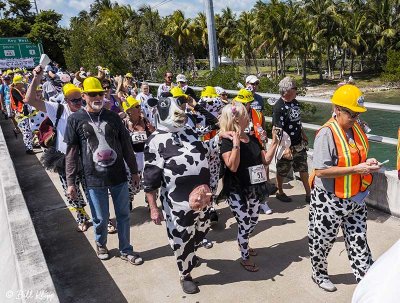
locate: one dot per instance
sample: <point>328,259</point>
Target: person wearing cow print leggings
<point>245,181</point>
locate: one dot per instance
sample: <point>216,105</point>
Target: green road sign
<point>19,52</point>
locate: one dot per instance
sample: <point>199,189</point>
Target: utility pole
<point>35,6</point>
<point>212,36</point>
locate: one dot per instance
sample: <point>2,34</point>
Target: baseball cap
<point>252,79</point>
<point>181,78</point>
<point>6,77</point>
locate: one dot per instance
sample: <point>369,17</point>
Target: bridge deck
<point>280,239</point>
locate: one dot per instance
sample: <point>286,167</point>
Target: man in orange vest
<point>340,181</point>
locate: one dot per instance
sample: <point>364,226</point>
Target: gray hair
<point>145,83</point>
<point>286,84</point>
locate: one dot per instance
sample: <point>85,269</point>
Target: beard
<point>97,107</point>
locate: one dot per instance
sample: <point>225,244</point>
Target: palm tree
<point>225,24</point>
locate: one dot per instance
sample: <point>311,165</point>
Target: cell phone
<point>383,163</point>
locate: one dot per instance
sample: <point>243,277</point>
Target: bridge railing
<point>371,105</point>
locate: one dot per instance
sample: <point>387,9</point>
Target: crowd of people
<point>112,136</point>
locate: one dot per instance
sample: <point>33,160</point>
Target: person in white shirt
<point>167,85</point>
<point>143,96</point>
<point>73,102</point>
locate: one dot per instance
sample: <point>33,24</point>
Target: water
<point>381,123</point>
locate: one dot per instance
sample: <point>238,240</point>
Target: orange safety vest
<point>15,104</point>
<point>349,154</point>
<point>257,119</point>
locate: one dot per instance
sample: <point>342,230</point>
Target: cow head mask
<point>170,117</point>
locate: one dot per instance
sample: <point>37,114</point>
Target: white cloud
<point>71,8</point>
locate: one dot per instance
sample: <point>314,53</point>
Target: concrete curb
<point>24,276</point>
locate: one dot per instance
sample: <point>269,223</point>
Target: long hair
<point>229,120</point>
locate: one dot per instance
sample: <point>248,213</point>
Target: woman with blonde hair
<point>245,181</point>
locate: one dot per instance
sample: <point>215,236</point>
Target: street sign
<point>19,52</point>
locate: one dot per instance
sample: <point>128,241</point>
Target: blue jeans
<point>100,214</point>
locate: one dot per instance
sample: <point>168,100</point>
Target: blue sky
<point>70,8</point>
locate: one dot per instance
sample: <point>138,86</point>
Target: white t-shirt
<point>51,108</point>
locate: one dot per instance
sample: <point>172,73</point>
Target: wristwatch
<point>236,147</point>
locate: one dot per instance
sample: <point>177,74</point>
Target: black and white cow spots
<point>213,105</point>
<point>103,154</point>
<point>327,214</point>
<point>178,162</point>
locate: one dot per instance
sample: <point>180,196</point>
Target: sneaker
<point>283,197</point>
<point>213,217</point>
<point>30,152</point>
<point>207,244</point>
<point>264,208</point>
<point>102,252</point>
<point>308,199</point>
<point>326,285</point>
<point>188,286</point>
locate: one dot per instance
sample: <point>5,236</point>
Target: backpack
<point>47,131</point>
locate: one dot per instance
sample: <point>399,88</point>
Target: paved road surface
<point>280,239</point>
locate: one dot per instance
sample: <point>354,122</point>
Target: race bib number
<point>139,137</point>
<point>257,174</point>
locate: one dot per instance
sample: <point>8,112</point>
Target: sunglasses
<point>224,95</point>
<point>76,101</point>
<point>169,77</point>
<point>106,87</point>
<point>352,115</point>
<point>181,100</point>
<point>295,88</point>
<point>95,94</point>
<point>255,83</point>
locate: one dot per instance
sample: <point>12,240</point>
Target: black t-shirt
<point>102,139</point>
<point>250,155</point>
<point>287,115</point>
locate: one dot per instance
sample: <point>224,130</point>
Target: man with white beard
<point>99,137</point>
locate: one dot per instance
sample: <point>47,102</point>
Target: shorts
<point>299,163</point>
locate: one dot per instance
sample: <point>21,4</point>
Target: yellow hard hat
<point>9,72</point>
<point>92,85</point>
<point>128,75</point>
<point>130,102</point>
<point>244,96</point>
<point>70,88</point>
<point>18,79</point>
<point>349,96</point>
<point>177,92</point>
<point>209,91</point>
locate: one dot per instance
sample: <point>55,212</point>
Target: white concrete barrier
<point>24,275</point>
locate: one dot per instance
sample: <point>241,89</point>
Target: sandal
<point>82,227</point>
<point>134,259</point>
<point>249,267</point>
<point>111,229</point>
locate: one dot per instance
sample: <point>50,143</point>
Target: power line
<point>161,3</point>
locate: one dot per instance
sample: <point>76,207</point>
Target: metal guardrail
<point>370,105</point>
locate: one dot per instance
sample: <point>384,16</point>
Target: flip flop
<point>249,267</point>
<point>134,259</point>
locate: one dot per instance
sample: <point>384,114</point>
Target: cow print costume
<point>177,161</point>
<point>327,214</point>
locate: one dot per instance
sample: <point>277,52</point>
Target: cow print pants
<point>327,214</point>
<point>186,231</point>
<point>79,204</point>
<point>246,215</point>
<point>27,135</point>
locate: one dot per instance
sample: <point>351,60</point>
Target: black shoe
<point>272,189</point>
<point>30,152</point>
<point>188,286</point>
<point>213,217</point>
<point>283,197</point>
